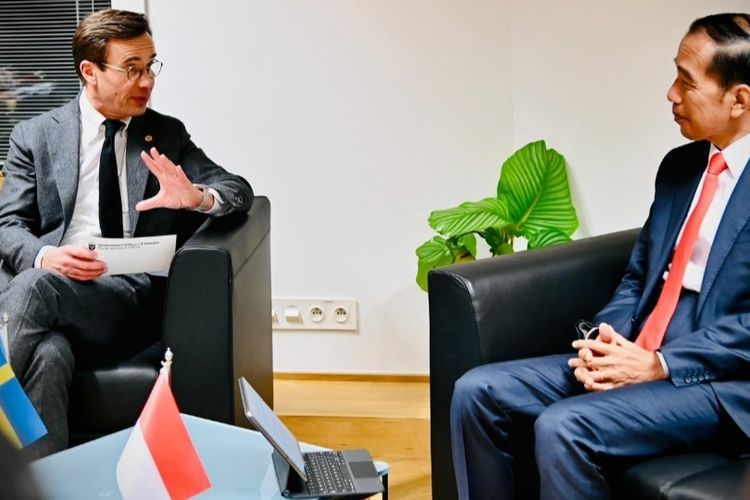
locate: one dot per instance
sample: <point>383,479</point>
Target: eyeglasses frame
<point>139,72</point>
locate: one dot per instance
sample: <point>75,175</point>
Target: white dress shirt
<point>85,221</point>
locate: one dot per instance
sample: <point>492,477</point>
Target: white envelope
<point>150,254</point>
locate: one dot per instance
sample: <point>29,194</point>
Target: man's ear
<point>741,103</point>
<point>87,71</point>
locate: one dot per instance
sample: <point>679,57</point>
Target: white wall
<point>591,77</point>
<point>359,118</point>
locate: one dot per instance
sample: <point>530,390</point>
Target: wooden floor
<point>390,418</point>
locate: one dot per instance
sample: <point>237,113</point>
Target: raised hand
<point>175,189</point>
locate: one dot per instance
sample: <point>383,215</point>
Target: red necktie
<point>652,333</point>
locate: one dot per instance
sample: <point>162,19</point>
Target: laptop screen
<point>272,427</point>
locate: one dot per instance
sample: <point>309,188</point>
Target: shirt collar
<point>736,155</point>
<point>91,119</point>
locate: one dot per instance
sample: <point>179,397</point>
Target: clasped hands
<point>611,361</point>
<point>175,192</point>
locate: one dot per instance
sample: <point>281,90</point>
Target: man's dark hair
<point>96,29</point>
<point>731,34</point>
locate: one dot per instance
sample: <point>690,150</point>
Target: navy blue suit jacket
<point>718,350</point>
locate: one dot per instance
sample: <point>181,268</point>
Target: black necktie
<point>110,205</point>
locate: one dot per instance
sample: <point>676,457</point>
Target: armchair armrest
<point>217,316</point>
<point>511,307</point>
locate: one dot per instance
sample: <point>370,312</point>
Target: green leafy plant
<point>533,202</point>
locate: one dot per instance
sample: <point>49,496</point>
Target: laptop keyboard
<point>327,473</point>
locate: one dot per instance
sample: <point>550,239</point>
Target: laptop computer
<point>331,474</point>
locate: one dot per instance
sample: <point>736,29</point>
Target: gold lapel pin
<point>148,138</point>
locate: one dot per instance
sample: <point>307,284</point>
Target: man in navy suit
<point>61,303</point>
<point>618,400</point>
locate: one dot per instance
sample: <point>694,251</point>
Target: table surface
<point>237,461</point>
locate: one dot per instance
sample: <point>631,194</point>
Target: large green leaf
<point>533,187</point>
<point>439,252</point>
<point>547,237</point>
<point>472,216</point>
<point>431,254</point>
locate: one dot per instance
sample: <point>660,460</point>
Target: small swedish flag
<point>19,421</point>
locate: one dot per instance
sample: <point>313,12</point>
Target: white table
<point>237,460</point>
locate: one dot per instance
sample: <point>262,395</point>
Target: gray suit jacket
<point>41,181</point>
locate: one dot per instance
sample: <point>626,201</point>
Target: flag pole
<point>166,365</point>
<point>4,337</point>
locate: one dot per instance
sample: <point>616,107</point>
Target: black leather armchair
<point>215,315</point>
<point>525,305</point>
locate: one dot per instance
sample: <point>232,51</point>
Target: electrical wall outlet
<point>314,314</point>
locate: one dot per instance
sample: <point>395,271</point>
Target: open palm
<point>175,189</point>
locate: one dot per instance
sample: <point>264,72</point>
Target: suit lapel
<point>64,137</point>
<point>736,217</point>
<point>682,196</point>
<point>140,138</point>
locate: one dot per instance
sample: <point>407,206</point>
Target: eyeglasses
<point>152,69</point>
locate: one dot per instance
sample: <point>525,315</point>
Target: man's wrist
<point>40,256</point>
<point>206,198</point>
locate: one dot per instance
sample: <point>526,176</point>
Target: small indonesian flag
<point>159,460</point>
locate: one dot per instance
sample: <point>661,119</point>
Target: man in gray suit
<point>56,292</point>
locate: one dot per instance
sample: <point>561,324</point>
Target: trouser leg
<point>48,313</point>
<point>576,437</point>
<point>46,382</point>
<point>487,404</point>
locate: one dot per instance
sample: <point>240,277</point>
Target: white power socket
<point>314,314</point>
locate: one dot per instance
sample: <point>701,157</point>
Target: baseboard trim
<point>352,377</point>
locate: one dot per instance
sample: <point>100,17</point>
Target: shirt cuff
<point>663,363</point>
<point>218,202</point>
<point>40,255</point>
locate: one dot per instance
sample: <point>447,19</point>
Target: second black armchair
<point>526,305</point>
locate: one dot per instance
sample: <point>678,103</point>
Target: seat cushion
<point>653,478</point>
<point>110,398</point>
<point>730,480</point>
